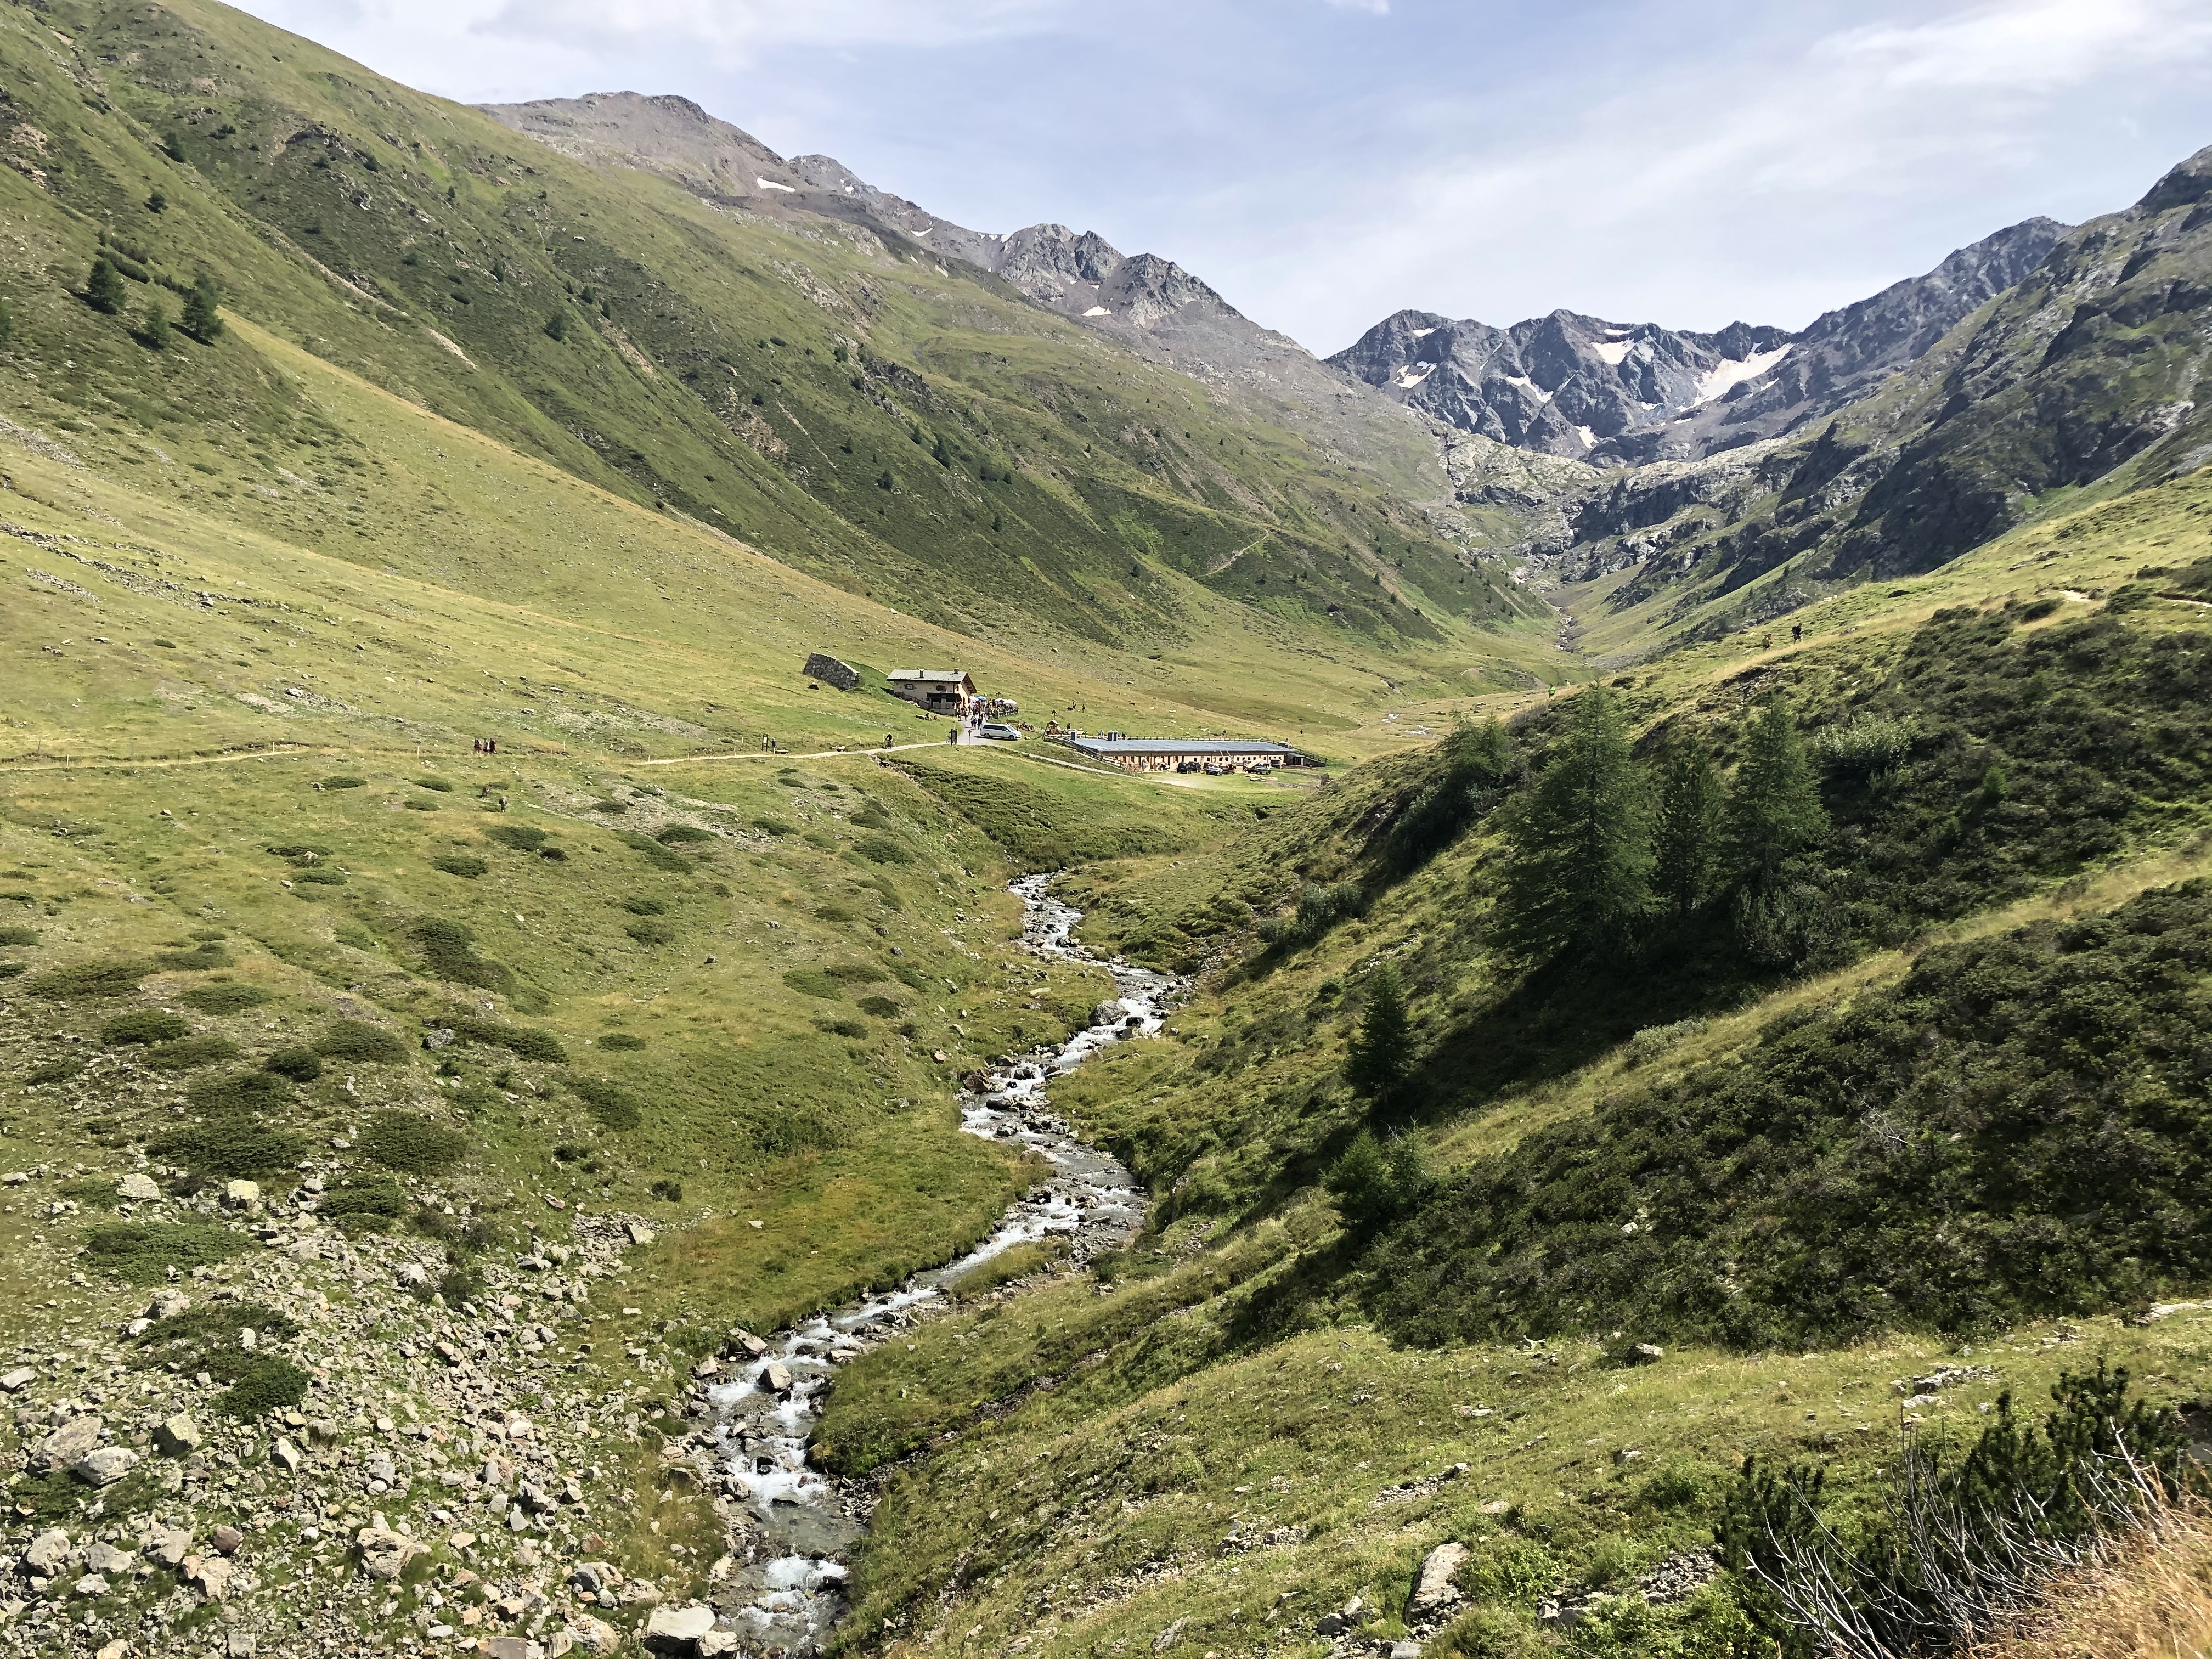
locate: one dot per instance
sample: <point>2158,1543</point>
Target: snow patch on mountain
<point>1735,371</point>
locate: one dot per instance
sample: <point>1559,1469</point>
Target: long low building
<point>1167,754</point>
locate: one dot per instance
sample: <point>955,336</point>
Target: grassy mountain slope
<point>1964,1138</point>
<point>844,404</point>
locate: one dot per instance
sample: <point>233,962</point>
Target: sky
<point>1323,163</point>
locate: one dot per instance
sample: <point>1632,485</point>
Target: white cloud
<point>2037,48</point>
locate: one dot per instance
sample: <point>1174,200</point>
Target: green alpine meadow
<point>732,922</point>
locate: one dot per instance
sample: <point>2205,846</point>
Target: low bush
<point>881,1007</point>
<point>322,878</point>
<point>190,1053</point>
<point>89,981</point>
<point>645,907</point>
<point>813,982</point>
<point>438,784</point>
<point>610,806</point>
<point>142,1252</point>
<point>669,1188</point>
<point>231,1148</point>
<point>659,857</point>
<point>363,1205</point>
<point>651,930</point>
<point>678,833</point>
<point>621,1039</point>
<point>301,1065</point>
<point>54,1071</point>
<point>552,854</point>
<point>241,1092</point>
<point>344,780</point>
<point>264,1384</point>
<point>774,826</point>
<point>609,1103</point>
<point>412,1143</point>
<point>201,959</point>
<point>882,849</point>
<point>448,951</point>
<point>417,803</point>
<point>526,1041</point>
<point>143,1025</point>
<point>522,837</point>
<point>844,1028</point>
<point>356,1041</point>
<point>18,936</point>
<point>460,864</point>
<point>224,999</point>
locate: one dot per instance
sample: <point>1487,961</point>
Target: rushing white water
<point>791,1592</point>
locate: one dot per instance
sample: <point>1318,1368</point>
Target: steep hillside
<point>1613,393</point>
<point>1611,1220</point>
<point>840,402</point>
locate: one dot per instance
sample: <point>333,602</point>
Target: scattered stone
<point>777,1377</point>
<point>179,1437</point>
<point>241,1194</point>
<point>104,1466</point>
<point>137,1188</point>
<point>1435,1587</point>
<point>227,1539</point>
<point>640,1233</point>
<point>679,1630</point>
<point>91,1585</point>
<point>50,1552</point>
<point>385,1554</point>
<point>598,1636</point>
<point>168,1547</point>
<point>286,1456</point>
<point>1345,1618</point>
<point>1167,1637</point>
<point>167,1305</point>
<point>107,1559</point>
<point>504,1647</point>
<point>18,1380</point>
<point>238,1644</point>
<point>66,1445</point>
<point>210,1573</point>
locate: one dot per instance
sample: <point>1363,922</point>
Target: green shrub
<point>528,1042</point>
<point>356,1041</point>
<point>266,1384</point>
<point>621,1039</point>
<point>200,959</point>
<point>417,803</point>
<point>659,857</point>
<point>881,1007</point>
<point>774,826</point>
<point>10,970</point>
<point>142,1252</point>
<point>552,854</point>
<point>438,784</point>
<point>344,780</point>
<point>882,849</point>
<point>645,907</point>
<point>322,878</point>
<point>88,982</point>
<point>226,998</point>
<point>189,1053</point>
<point>460,864</point>
<point>299,851</point>
<point>668,1188</point>
<point>54,1071</point>
<point>370,1206</point>
<point>232,1147</point>
<point>412,1143</point>
<point>610,806</point>
<point>911,976</point>
<point>683,832</point>
<point>242,1092</point>
<point>844,1028</point>
<point>813,982</point>
<point>449,952</point>
<point>652,931</point>
<point>609,1103</point>
<point>18,936</point>
<point>523,837</point>
<point>301,1065</point>
<point>143,1025</point>
<point>859,973</point>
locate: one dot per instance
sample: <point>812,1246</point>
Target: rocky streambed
<point>791,1591</point>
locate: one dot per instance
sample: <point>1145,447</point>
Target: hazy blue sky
<point>1325,163</point>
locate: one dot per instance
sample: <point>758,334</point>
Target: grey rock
<point>167,1305</point>
<point>91,1585</point>
<point>66,1445</point>
<point>104,1466</point>
<point>640,1233</point>
<point>49,1552</point>
<point>241,1194</point>
<point>16,1381</point>
<point>678,1630</point>
<point>178,1437</point>
<point>107,1559</point>
<point>1434,1588</point>
<point>775,1377</point>
<point>137,1188</point>
<point>168,1547</point>
<point>831,671</point>
<point>385,1554</point>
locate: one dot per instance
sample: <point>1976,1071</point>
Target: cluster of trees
<point>1601,846</point>
<point>104,291</point>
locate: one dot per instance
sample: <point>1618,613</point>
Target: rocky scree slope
<point>1614,394</point>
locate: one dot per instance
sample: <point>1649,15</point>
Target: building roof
<point>1183,746</point>
<point>946,674</point>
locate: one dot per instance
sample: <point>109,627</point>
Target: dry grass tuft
<point>2150,1598</point>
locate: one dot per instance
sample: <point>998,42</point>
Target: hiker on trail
<point>1767,643</point>
<point>1796,633</point>
<point>953,736</point>
<point>887,739</point>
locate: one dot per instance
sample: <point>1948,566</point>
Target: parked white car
<point>1001,731</point>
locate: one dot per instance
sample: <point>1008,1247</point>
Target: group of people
<point>485,746</point>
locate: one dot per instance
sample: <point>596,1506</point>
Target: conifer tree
<point>1382,1047</point>
<point>1686,841</point>
<point>1775,816</point>
<point>1580,869</point>
<point>155,330</point>
<point>103,288</point>
<point>203,321</point>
